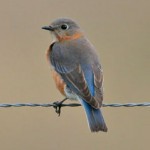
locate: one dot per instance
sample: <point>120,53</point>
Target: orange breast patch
<point>73,37</point>
<point>59,82</point>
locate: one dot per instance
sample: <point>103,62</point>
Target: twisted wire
<point>144,104</point>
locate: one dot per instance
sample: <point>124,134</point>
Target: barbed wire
<point>58,105</point>
<point>144,104</point>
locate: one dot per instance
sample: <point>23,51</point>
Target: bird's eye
<point>64,27</point>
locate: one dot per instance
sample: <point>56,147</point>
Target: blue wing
<point>79,77</point>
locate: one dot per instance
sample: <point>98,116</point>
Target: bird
<point>76,69</point>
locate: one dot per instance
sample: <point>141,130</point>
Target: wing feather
<point>98,83</point>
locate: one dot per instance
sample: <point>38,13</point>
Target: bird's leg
<point>58,105</point>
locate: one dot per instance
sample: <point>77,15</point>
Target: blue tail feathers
<point>94,116</point>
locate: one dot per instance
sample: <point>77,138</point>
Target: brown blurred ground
<point>120,30</point>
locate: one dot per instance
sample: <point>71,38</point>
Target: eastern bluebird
<point>76,69</point>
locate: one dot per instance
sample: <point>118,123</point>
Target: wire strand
<point>144,104</point>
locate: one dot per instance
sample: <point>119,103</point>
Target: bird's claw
<point>58,105</point>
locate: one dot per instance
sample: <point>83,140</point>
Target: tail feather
<point>94,117</point>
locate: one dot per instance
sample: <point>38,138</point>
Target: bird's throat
<point>67,38</point>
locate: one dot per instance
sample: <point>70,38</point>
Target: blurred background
<point>120,31</point>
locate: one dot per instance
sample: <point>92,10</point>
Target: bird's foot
<point>58,105</point>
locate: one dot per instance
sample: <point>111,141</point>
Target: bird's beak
<point>50,28</point>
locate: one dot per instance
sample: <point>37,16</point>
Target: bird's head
<point>64,29</point>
